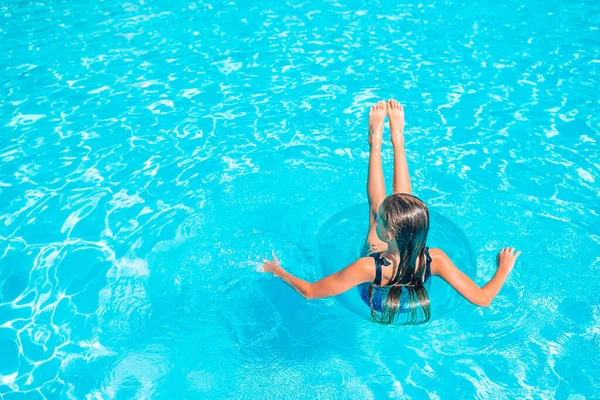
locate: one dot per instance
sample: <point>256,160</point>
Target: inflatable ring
<point>341,238</point>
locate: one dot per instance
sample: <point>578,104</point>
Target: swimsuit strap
<point>428,265</point>
<point>378,261</point>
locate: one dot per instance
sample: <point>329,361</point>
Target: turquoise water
<point>154,152</point>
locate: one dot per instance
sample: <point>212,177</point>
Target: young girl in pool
<point>395,261</point>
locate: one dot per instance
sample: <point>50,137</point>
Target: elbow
<point>483,301</point>
<point>481,298</point>
<point>311,292</point>
<point>308,293</point>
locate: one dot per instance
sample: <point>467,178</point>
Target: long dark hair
<point>406,217</point>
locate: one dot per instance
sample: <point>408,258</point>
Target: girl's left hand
<point>271,266</point>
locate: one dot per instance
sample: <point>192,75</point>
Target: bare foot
<point>395,114</point>
<point>376,117</point>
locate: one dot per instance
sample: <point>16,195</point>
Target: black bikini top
<point>379,260</point>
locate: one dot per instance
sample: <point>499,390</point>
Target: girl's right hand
<point>506,258</point>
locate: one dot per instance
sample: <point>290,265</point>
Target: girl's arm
<point>443,267</point>
<point>332,285</point>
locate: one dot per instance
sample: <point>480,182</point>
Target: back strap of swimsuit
<point>378,261</point>
<point>427,273</point>
<point>377,280</point>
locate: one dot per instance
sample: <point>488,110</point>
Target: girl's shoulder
<point>438,260</point>
<point>367,260</point>
<point>367,264</point>
<point>435,252</point>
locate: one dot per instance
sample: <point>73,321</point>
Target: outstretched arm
<point>483,297</point>
<point>332,285</point>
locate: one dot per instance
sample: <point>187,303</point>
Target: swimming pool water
<point>152,153</point>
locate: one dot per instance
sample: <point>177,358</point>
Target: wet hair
<point>406,217</point>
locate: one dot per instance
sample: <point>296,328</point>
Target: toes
<point>379,107</point>
<point>395,105</point>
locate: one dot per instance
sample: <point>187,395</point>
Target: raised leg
<point>375,181</point>
<point>401,182</point>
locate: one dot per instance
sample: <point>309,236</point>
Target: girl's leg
<point>375,182</point>
<point>401,183</point>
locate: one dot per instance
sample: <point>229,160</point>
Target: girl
<point>395,259</point>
